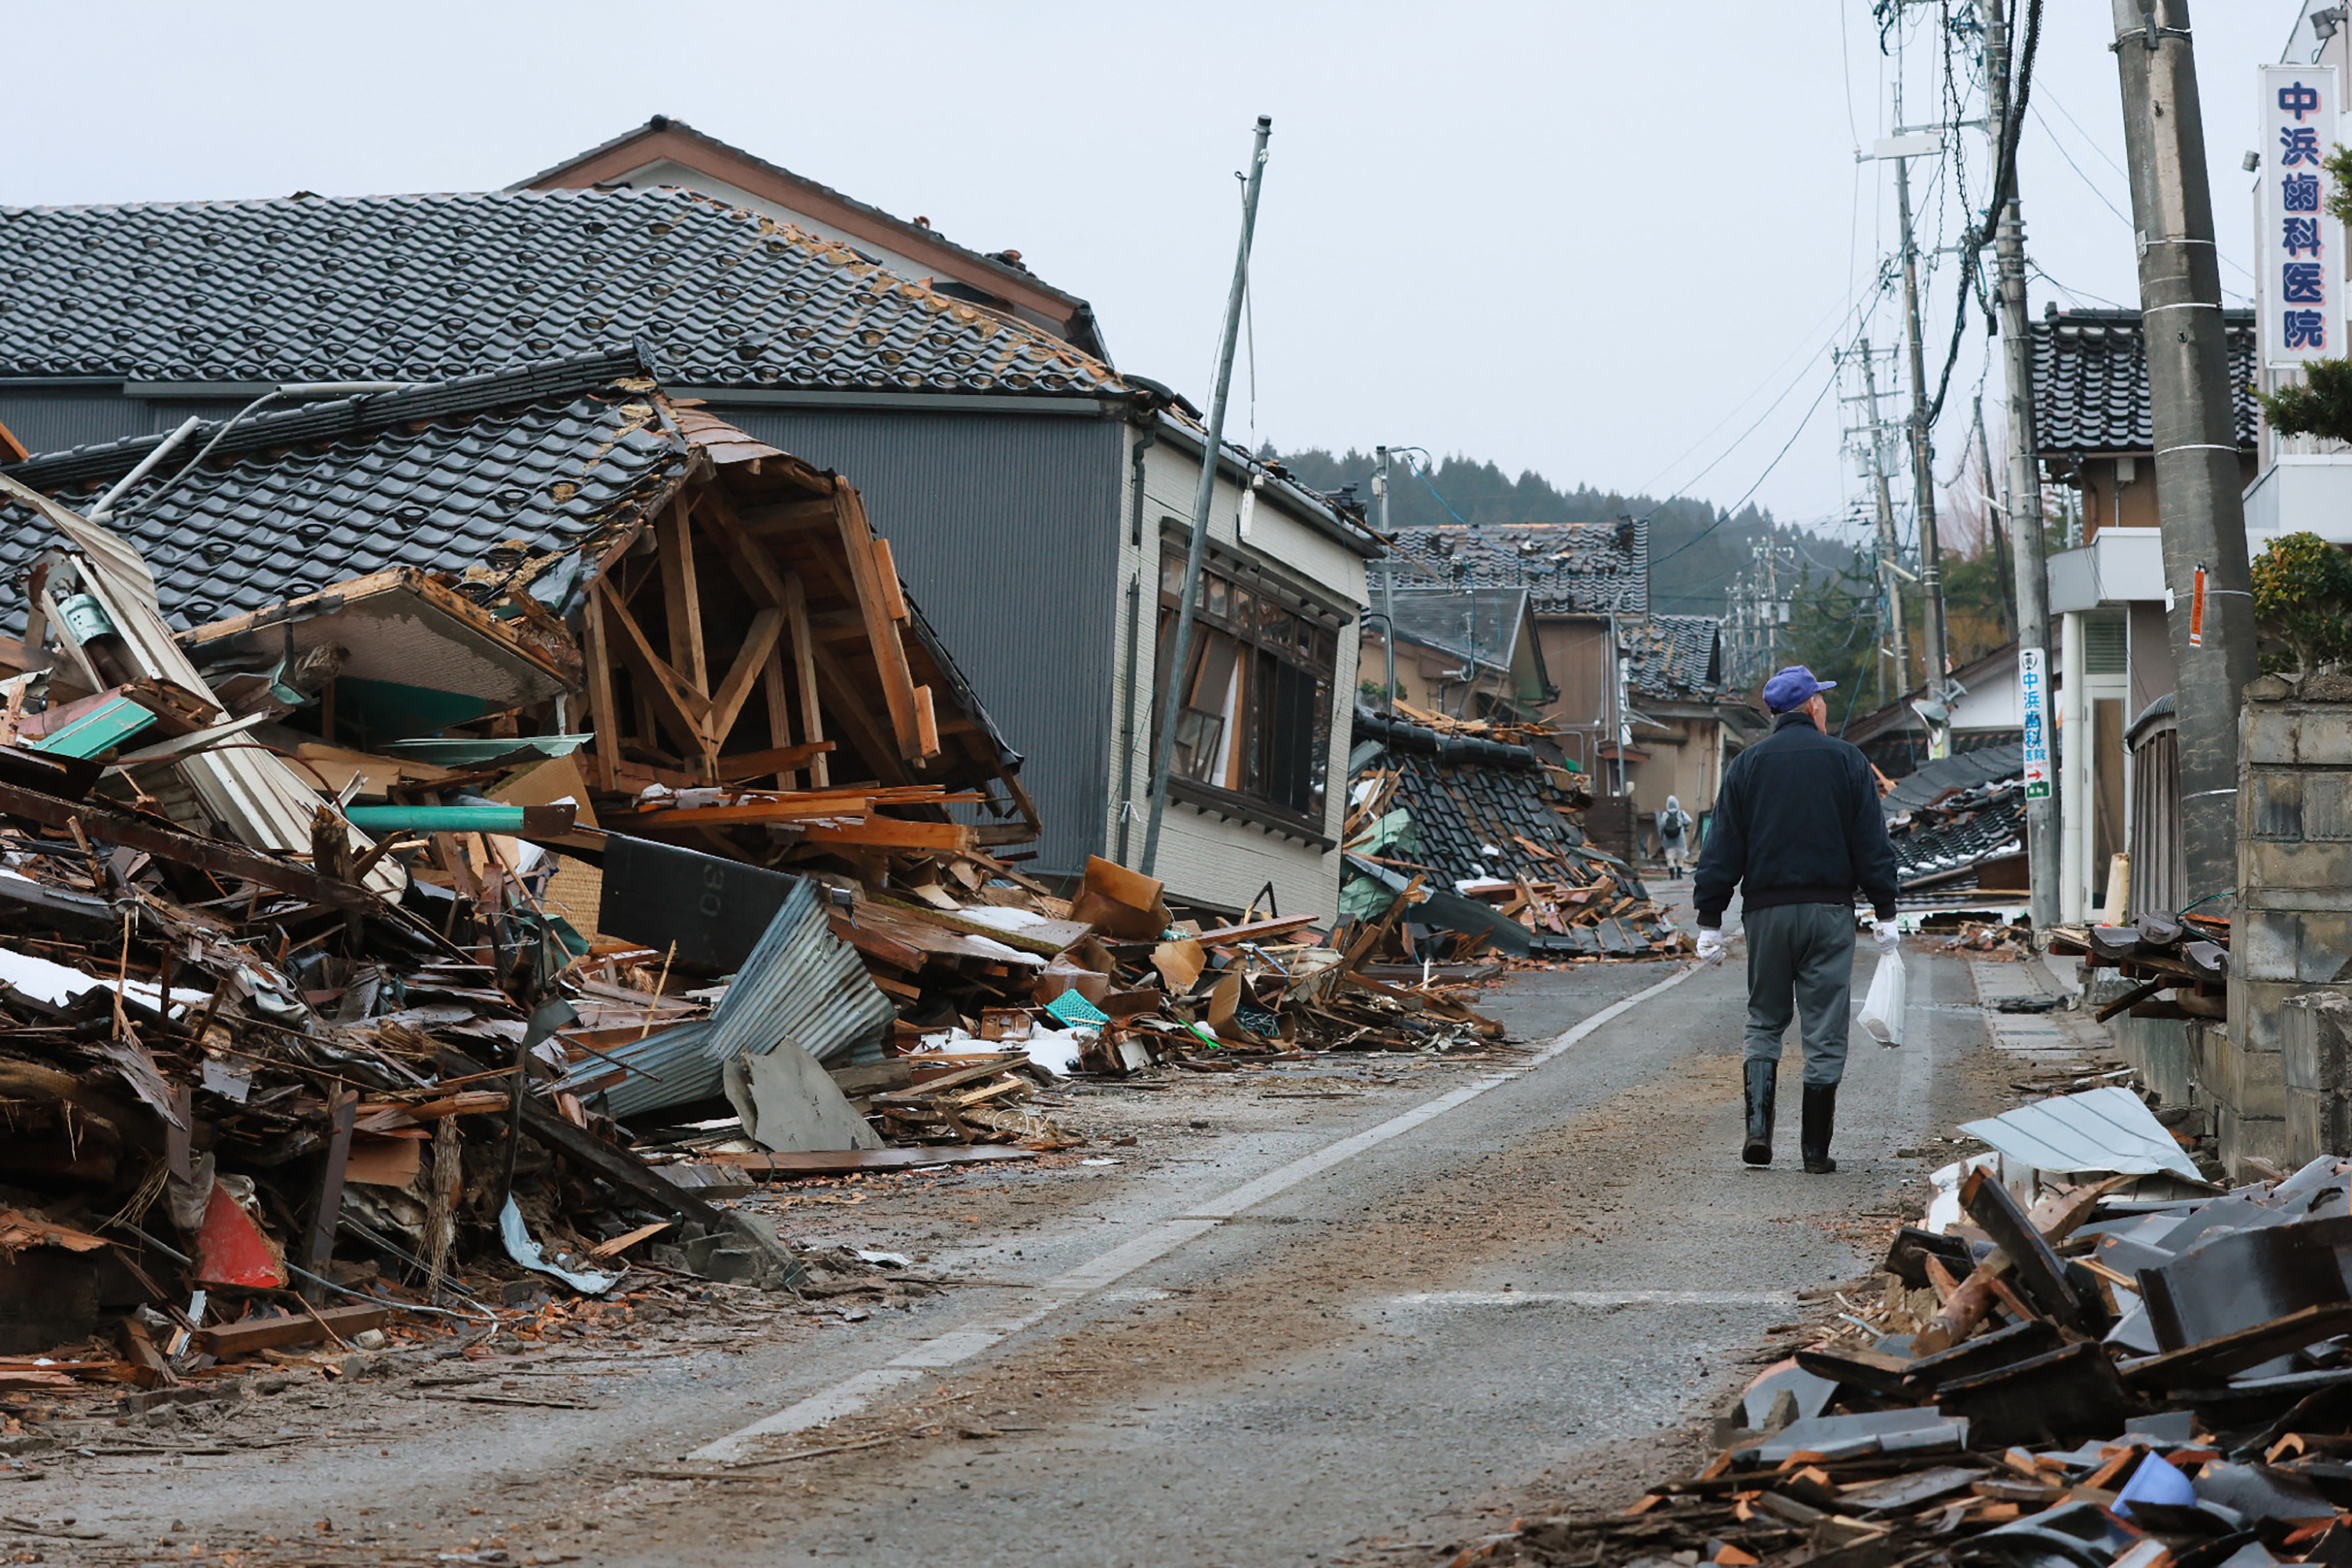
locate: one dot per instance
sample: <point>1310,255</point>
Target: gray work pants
<point>1801,961</point>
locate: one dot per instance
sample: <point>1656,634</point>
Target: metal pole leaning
<point>1179,647</point>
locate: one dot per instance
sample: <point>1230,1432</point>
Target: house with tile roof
<point>1587,587</point>
<point>1473,653</point>
<point>2094,434</point>
<point>666,152</point>
<point>1033,496</point>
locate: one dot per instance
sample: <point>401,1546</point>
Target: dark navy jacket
<point>1797,822</point>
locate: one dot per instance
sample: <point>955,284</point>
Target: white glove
<point>1889,935</point>
<point>1710,947</point>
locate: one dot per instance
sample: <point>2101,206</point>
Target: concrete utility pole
<point>1388,569</point>
<point>1179,647</point>
<point>1893,584</point>
<point>2198,502</point>
<point>2041,832</point>
<point>1923,473</point>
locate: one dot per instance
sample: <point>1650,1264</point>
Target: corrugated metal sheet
<point>801,983</point>
<point>2099,1130</point>
<point>1006,529</point>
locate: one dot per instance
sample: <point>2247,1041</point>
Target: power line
<point>1732,511</point>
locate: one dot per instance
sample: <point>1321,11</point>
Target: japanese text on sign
<point>2036,726</point>
<point>2301,244</point>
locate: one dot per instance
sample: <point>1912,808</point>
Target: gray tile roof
<point>1675,655</point>
<point>1573,568</point>
<point>432,478</point>
<point>426,287</point>
<point>2090,381</point>
<point>987,260</point>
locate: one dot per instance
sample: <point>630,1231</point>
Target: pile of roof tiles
<point>2187,955</point>
<point>1950,820</point>
<point>2118,1364</point>
<point>1475,811</point>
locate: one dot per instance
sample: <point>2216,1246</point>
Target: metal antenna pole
<point>1923,474</point>
<point>2199,506</point>
<point>1180,647</point>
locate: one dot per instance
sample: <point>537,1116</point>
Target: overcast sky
<point>1595,240</point>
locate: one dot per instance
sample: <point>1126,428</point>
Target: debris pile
<point>1475,810</point>
<point>2085,1356</point>
<point>1960,823</point>
<point>2187,955</point>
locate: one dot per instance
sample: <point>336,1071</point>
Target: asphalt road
<point>1372,1321</point>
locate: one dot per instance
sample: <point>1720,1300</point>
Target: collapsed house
<point>1958,825</point>
<point>1484,829</point>
<point>619,801</point>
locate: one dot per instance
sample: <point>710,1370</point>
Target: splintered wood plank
<point>892,833</point>
<point>682,597</point>
<point>603,715</point>
<point>881,630</point>
<point>926,723</point>
<point>804,663</point>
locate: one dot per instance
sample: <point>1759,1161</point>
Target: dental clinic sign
<point>2302,267</point>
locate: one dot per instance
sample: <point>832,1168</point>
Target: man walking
<point>1798,830</point>
<point>1673,837</point>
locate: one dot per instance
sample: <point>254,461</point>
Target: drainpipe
<point>1145,439</point>
<point>146,466</point>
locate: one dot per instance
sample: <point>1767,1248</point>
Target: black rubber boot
<point>1820,1113</point>
<point>1757,1149</point>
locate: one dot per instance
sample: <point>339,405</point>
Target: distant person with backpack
<point>1673,837</point>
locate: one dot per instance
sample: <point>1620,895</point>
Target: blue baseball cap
<point>1793,688</point>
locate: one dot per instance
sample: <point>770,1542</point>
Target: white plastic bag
<point>1882,1009</point>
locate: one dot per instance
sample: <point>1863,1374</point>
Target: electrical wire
<point>1732,511</point>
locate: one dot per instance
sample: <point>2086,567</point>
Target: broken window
<point>1254,716</point>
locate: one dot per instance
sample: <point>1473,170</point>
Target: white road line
<point>1164,1237</point>
<point>1595,1299</point>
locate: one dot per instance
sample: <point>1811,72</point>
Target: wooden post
<point>343,1111</point>
<point>778,693</point>
<point>804,660</point>
<point>603,716</point>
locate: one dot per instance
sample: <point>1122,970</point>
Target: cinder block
<point>2274,804</point>
<point>2317,1040</point>
<point>2204,1042</point>
<point>2256,1021</point>
<point>2250,1082</point>
<point>2264,1138</point>
<point>2324,737</point>
<point>2270,866</point>
<point>2264,944</point>
<point>2268,735</point>
<point>2318,1121</point>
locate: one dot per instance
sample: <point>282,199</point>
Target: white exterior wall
<point>1201,857</point>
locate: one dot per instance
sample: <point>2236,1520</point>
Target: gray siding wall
<point>1006,529</point>
<point>57,419</point>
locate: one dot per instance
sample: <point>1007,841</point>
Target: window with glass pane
<point>1255,711</point>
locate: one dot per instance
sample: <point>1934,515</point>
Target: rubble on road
<point>2086,1356</point>
<point>460,947</point>
<point>1476,810</point>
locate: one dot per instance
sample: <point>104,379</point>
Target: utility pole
<point>2042,834</point>
<point>1993,513</point>
<point>1923,473</point>
<point>1179,647</point>
<point>1886,541</point>
<point>1387,568</point>
<point>2198,503</point>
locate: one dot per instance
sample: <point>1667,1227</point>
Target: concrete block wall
<point>2292,936</point>
<point>2318,1059</point>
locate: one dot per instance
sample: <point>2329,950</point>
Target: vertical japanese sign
<point>2032,682</point>
<point>2302,249</point>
